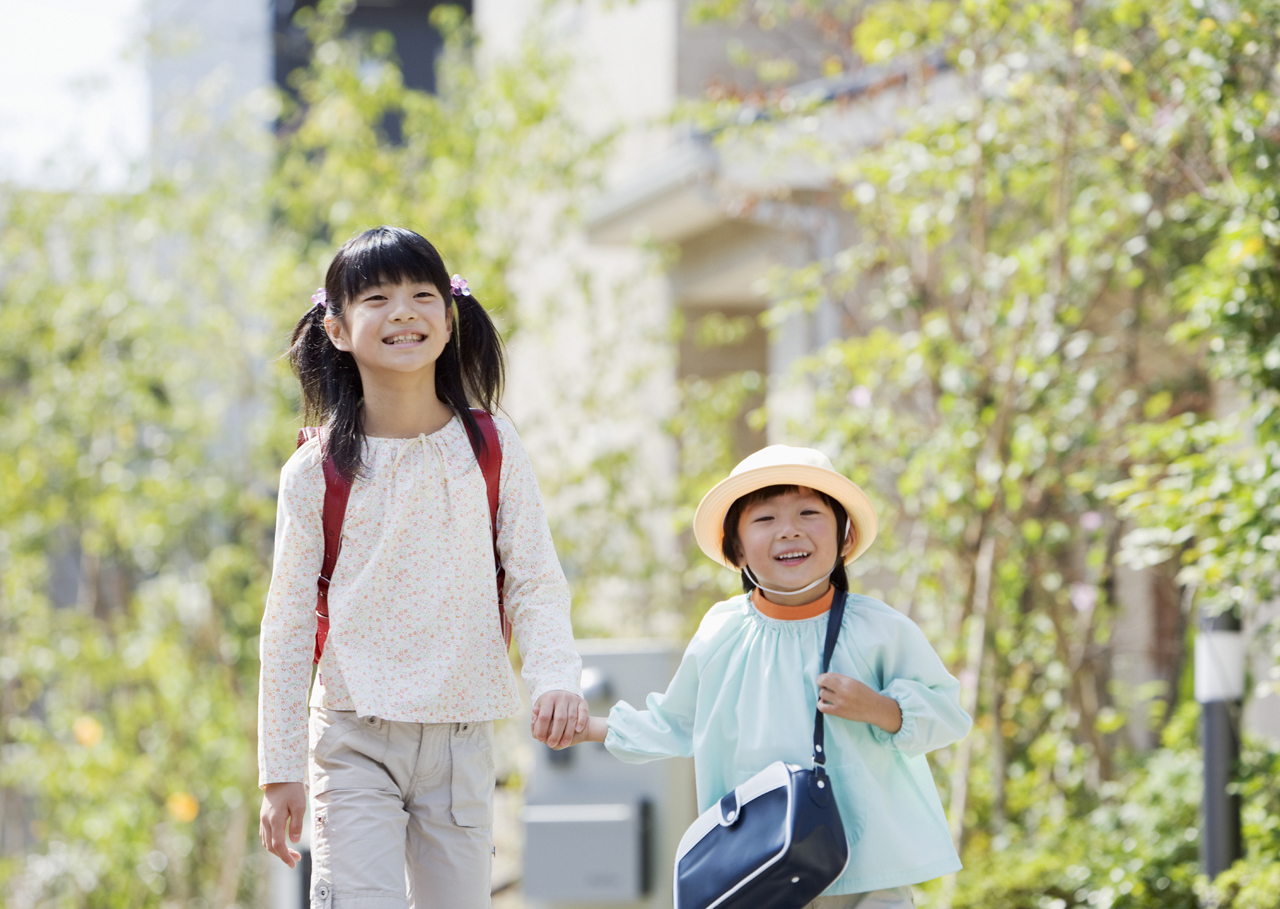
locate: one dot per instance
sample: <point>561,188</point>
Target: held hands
<point>283,805</point>
<point>559,718</point>
<point>839,695</point>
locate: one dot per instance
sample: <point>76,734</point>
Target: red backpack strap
<point>490,457</point>
<point>337,490</point>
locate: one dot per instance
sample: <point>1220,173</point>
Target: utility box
<point>599,832</point>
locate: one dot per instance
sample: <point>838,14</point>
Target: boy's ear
<point>850,540</point>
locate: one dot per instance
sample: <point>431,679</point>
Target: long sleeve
<point>289,623</point>
<point>665,729</point>
<point>927,694</point>
<point>536,592</point>
<point>744,697</point>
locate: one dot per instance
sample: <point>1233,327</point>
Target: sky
<point>73,91</point>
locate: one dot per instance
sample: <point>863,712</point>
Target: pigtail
<point>306,356</point>
<point>331,389</point>
<point>471,370</point>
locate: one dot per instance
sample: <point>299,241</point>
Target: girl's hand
<point>283,805</point>
<point>558,717</point>
<point>844,697</point>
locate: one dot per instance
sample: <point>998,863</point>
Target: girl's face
<point>393,327</point>
<point>789,541</point>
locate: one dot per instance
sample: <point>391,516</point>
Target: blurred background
<point>1012,264</point>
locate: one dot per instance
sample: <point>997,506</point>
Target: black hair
<point>731,545</point>
<point>471,368</point>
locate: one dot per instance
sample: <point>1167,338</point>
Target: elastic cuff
<point>895,739</point>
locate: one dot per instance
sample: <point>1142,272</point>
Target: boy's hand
<point>844,697</point>
<point>283,805</point>
<point>597,729</point>
<point>558,717</point>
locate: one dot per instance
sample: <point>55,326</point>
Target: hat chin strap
<point>785,593</point>
<point>848,531</point>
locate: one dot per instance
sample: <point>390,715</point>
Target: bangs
<point>390,255</point>
<point>764,494</point>
<point>729,540</point>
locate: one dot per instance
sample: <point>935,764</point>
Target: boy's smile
<point>788,542</point>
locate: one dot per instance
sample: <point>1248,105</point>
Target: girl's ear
<point>337,333</point>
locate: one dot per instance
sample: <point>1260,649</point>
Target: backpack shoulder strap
<point>337,490</point>
<point>489,455</point>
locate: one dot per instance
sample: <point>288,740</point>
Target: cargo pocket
<point>325,730</point>
<point>321,895</point>
<point>328,726</point>
<point>471,788</point>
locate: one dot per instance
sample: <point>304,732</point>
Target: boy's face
<point>789,541</point>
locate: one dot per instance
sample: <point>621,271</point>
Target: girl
<point>745,693</point>
<point>398,748</point>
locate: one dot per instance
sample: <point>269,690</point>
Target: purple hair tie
<point>459,287</point>
<point>320,298</point>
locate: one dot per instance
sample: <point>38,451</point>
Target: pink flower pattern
<point>414,633</point>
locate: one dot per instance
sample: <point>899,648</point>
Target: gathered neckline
<point>772,610</point>
<point>421,435</point>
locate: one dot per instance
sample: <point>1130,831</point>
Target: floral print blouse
<point>413,609</point>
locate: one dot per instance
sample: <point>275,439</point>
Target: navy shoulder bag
<point>777,839</point>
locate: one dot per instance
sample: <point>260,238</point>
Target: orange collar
<point>793,613</point>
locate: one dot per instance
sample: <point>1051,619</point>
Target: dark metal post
<point>1219,662</point>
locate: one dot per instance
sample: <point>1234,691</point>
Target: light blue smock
<point>745,696</point>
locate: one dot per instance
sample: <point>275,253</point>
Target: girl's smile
<point>405,337</point>
<point>398,328</point>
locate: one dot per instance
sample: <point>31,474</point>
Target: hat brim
<point>708,520</point>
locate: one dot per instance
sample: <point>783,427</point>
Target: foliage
<point>145,425</point>
<point>131,556</point>
<point>1060,240</point>
<point>1139,847</point>
<point>1205,489</point>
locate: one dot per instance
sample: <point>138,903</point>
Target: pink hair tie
<point>320,298</point>
<point>459,287</point>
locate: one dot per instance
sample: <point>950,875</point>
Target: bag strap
<point>490,457</point>
<point>835,616</point>
<point>337,490</point>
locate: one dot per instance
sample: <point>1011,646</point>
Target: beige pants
<point>897,898</point>
<point>403,813</point>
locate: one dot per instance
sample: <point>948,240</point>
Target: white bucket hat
<point>782,465</point>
